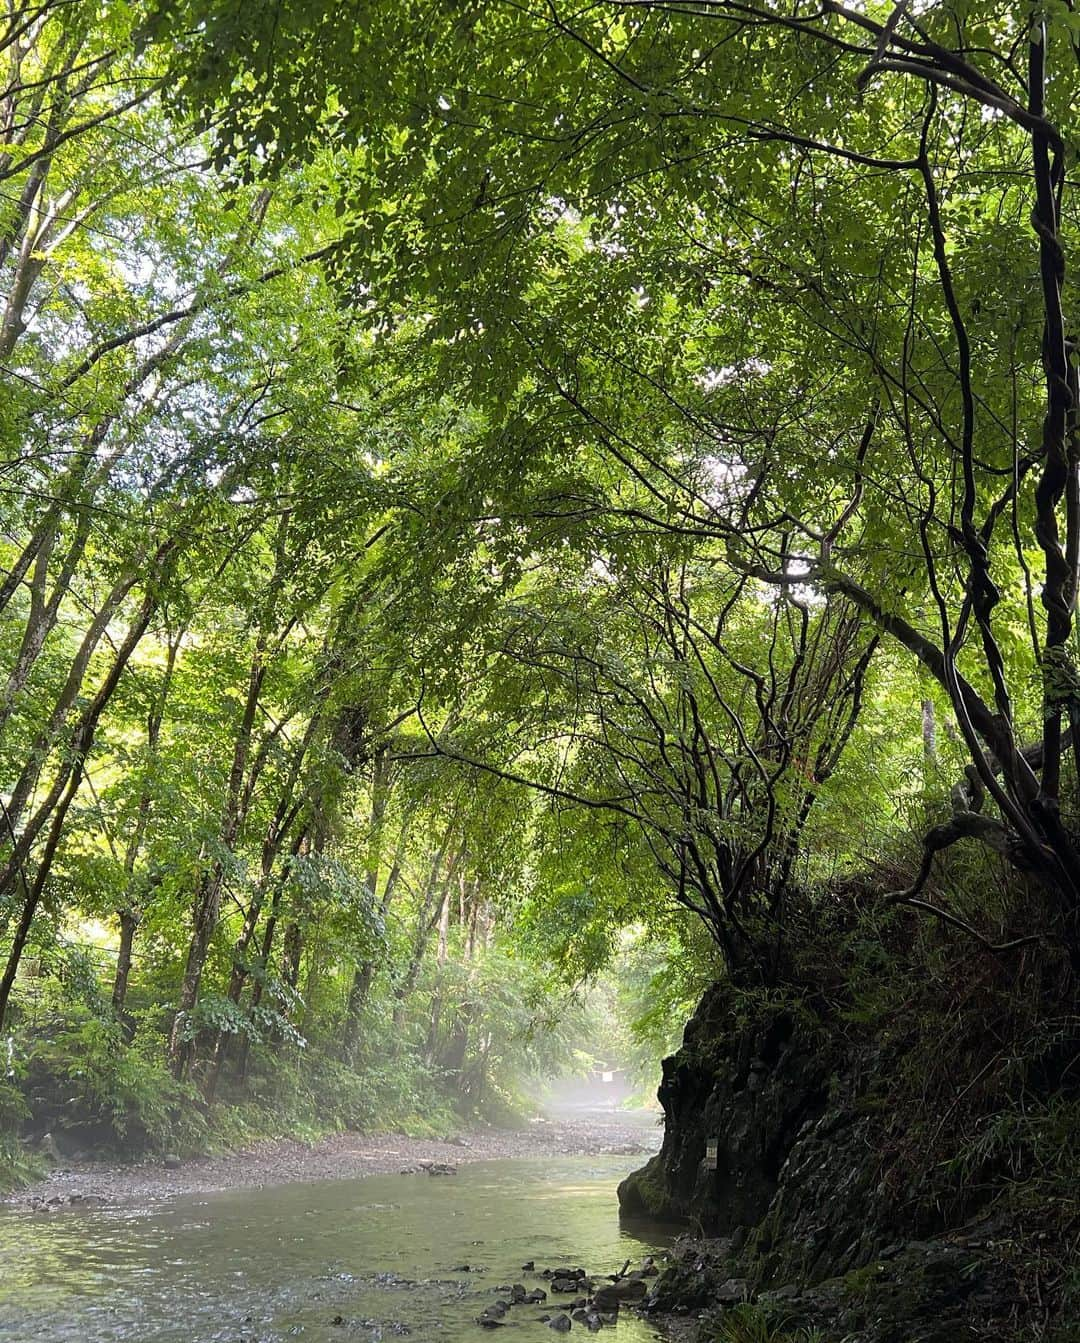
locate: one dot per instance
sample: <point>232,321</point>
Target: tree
<point>861,216</point>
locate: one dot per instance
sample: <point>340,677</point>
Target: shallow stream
<point>329,1262</point>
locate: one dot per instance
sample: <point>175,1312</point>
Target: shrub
<point>81,1075</point>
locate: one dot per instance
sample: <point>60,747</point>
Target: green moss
<point>644,1193</point>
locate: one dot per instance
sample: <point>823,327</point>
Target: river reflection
<point>327,1262</point>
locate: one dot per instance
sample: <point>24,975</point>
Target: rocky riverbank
<point>792,1151</point>
<point>340,1156</point>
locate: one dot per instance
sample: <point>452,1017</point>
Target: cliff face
<point>799,1210</point>
<point>780,1101</point>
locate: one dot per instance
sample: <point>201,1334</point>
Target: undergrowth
<point>972,1059</point>
<point>83,1083</point>
<point>751,1324</point>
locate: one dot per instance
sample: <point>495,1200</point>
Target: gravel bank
<point>340,1156</point>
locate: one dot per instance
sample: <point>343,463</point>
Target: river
<point>327,1262</point>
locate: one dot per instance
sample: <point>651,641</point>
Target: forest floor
<point>338,1156</point>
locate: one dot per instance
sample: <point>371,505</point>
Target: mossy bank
<point>885,1161</point>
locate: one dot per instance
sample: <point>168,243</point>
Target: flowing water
<point>329,1262</point>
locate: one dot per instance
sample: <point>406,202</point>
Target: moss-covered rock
<point>644,1193</point>
<point>750,1085</point>
<point>803,1203</point>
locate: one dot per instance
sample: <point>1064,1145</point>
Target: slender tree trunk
<point>208,894</point>
<point>291,954</point>
<point>474,909</point>
<point>284,816</point>
<point>129,923</point>
<point>48,738</point>
<point>181,1039</point>
<point>62,794</point>
<point>240,969</point>
<point>427,919</point>
<point>238,794</point>
<point>929,738</point>
<point>33,896</point>
<point>130,915</point>
<point>265,951</point>
<point>444,927</point>
<point>432,1043</point>
<point>364,974</point>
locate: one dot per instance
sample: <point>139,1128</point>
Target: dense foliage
<point>499,494</point>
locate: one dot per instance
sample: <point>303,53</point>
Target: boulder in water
<point>437,1167</point>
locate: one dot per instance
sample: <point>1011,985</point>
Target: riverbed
<point>327,1261</point>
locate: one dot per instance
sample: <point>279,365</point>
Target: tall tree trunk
<point>240,970</point>
<point>427,918</point>
<point>63,792</point>
<point>208,893</point>
<point>129,923</point>
<point>49,737</point>
<point>432,1043</point>
<point>265,951</point>
<point>364,974</point>
<point>238,793</point>
<point>130,914</point>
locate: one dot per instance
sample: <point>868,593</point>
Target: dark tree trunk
<point>129,923</point>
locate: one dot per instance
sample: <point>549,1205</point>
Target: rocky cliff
<point>802,1205</point>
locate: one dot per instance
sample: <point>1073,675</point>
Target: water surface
<point>329,1262</point>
